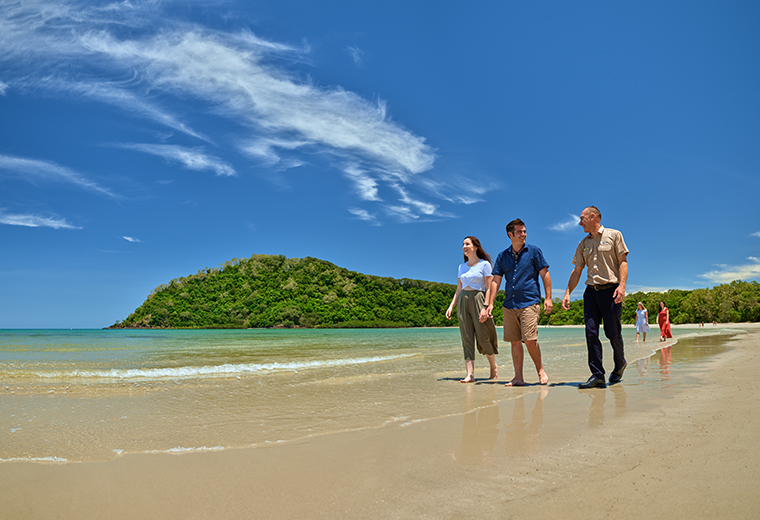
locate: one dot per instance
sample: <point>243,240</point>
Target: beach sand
<point>676,439</point>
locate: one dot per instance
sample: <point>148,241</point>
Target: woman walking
<point>642,321</point>
<point>475,326</point>
<point>663,320</point>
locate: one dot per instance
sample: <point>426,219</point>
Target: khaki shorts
<point>521,324</point>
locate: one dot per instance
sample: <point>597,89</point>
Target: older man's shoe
<point>617,375</point>
<point>593,382</point>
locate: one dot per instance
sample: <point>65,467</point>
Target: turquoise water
<point>77,395</point>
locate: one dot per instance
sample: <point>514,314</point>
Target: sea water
<point>86,395</point>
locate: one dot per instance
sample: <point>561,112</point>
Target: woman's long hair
<point>479,250</point>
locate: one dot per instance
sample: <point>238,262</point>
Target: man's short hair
<point>512,225</point>
<point>595,211</point>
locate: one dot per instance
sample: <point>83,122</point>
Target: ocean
<point>94,395</point>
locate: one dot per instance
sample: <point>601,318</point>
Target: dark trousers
<point>600,307</point>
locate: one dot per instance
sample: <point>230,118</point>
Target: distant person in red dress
<point>663,319</point>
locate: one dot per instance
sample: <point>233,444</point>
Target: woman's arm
<point>454,300</point>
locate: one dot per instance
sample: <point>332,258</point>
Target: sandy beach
<point>676,439</point>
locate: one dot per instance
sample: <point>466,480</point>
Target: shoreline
<point>679,443</point>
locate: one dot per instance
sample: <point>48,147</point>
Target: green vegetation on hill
<point>273,291</point>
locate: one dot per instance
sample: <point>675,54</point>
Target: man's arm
<point>619,293</point>
<point>575,277</point>
<point>485,312</point>
<point>548,304</point>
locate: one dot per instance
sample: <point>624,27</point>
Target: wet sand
<point>676,439</point>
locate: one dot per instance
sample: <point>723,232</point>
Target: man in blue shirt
<point>520,266</point>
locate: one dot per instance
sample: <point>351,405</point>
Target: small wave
<point>181,449</point>
<point>227,369</point>
<point>35,459</point>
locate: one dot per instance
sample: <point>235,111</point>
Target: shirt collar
<point>511,251</point>
<point>598,233</point>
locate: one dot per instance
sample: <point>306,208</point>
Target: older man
<point>604,253</point>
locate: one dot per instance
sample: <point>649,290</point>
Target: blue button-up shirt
<point>520,274</point>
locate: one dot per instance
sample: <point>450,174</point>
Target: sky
<point>143,141</point>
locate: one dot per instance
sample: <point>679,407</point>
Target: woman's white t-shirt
<point>475,276</point>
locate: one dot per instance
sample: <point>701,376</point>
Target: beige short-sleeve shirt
<point>600,254</point>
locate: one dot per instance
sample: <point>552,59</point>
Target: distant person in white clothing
<point>642,321</point>
<point>475,326</point>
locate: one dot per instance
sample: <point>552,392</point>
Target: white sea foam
<point>227,369</point>
<point>35,459</point>
<point>181,449</point>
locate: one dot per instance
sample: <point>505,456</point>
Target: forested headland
<point>267,291</point>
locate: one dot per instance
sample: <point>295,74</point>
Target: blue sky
<point>142,141</point>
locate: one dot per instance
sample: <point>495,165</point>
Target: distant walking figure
<point>473,285</point>
<point>642,321</point>
<point>663,320</point>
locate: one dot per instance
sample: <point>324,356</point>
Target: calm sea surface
<point>82,395</point>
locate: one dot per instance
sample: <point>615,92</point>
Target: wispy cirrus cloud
<point>357,55</point>
<point>36,170</point>
<point>569,224</point>
<point>191,158</point>
<point>3,88</point>
<point>14,219</point>
<point>144,64</point>
<point>729,273</point>
<point>131,239</point>
<point>363,214</point>
<point>756,234</point>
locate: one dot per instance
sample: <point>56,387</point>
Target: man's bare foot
<point>516,382</point>
<point>542,377</point>
<point>468,379</point>
<point>494,373</point>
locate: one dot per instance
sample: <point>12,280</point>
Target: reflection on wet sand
<point>480,429</point>
<point>599,399</point>
<point>666,357</point>
<point>523,435</point>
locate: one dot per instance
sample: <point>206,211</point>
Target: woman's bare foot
<point>542,377</point>
<point>468,379</point>
<point>516,382</point>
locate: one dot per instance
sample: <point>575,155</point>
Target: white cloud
<point>356,54</point>
<point>144,63</point>
<point>756,234</point>
<point>365,185</point>
<point>567,225</point>
<point>131,239</point>
<point>115,95</point>
<point>34,221</point>
<point>50,171</point>
<point>729,273</point>
<point>191,158</point>
<point>3,88</point>
<point>456,188</point>
<point>363,214</point>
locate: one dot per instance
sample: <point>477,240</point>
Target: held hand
<point>619,294</point>
<point>548,305</point>
<point>566,302</point>
<point>484,315</point>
